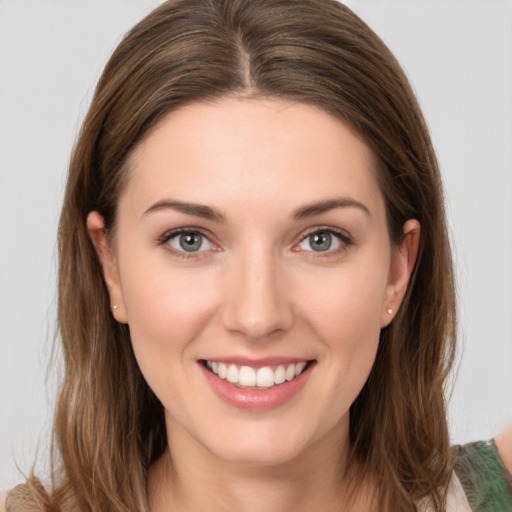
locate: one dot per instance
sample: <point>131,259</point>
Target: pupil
<point>190,242</point>
<point>320,241</point>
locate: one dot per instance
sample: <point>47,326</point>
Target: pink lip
<point>254,399</point>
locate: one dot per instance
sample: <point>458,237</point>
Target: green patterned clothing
<point>486,484</point>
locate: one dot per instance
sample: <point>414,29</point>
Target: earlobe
<point>402,265</point>
<point>96,228</point>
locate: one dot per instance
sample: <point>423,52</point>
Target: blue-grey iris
<point>320,241</point>
<point>191,242</point>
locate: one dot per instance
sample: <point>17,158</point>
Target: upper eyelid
<point>164,239</point>
<point>341,233</point>
<point>326,229</point>
<point>171,233</point>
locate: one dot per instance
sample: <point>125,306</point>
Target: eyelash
<point>344,239</point>
<point>164,239</point>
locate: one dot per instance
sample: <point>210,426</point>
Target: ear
<point>96,228</point>
<point>402,264</point>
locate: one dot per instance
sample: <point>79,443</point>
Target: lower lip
<point>256,399</point>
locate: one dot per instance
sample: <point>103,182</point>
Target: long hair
<point>109,427</point>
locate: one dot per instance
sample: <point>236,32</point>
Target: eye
<point>324,240</point>
<point>187,241</point>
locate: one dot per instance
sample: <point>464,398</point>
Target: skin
<point>257,288</point>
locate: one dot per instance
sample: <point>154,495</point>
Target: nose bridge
<point>257,304</point>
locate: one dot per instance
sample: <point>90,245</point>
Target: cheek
<point>345,314</point>
<point>346,305</point>
<point>166,308</point>
<point>166,313</point>
<point>351,330</point>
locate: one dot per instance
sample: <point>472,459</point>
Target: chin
<point>257,456</point>
<point>259,447</point>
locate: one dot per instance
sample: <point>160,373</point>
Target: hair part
<point>312,51</point>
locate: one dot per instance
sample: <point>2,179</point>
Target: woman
<point>255,276</point>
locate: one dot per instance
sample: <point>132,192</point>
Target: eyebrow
<point>211,213</point>
<point>320,207</point>
<point>199,210</point>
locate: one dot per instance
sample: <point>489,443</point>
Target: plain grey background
<point>458,55</point>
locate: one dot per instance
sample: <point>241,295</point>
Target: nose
<point>257,303</point>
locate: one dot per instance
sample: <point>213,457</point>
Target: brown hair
<point>312,51</point>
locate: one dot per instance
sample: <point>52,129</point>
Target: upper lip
<point>258,363</point>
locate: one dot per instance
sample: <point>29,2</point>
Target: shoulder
<point>504,446</point>
<point>483,476</point>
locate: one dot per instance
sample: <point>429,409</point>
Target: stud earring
<point>390,311</point>
<point>113,308</point>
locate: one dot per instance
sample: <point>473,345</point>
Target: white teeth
<point>223,370</point>
<point>290,372</point>
<point>280,374</point>
<point>247,376</point>
<point>299,367</point>
<point>232,375</point>
<point>264,377</point>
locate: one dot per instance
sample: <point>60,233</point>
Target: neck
<point>193,479</point>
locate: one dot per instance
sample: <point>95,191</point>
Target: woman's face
<point>252,246</point>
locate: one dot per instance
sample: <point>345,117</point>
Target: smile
<point>260,378</point>
<point>260,387</point>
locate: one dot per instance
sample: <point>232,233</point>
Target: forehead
<point>253,149</point>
